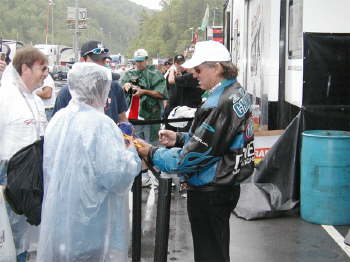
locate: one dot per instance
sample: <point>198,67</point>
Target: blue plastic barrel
<point>325,177</point>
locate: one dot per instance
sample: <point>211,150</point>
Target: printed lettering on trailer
<point>260,154</point>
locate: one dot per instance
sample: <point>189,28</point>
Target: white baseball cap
<point>140,55</point>
<point>208,51</point>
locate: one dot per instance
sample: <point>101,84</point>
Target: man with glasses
<point>94,52</point>
<point>22,121</point>
<point>215,156</point>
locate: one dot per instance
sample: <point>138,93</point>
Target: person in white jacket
<point>88,173</point>
<point>22,121</point>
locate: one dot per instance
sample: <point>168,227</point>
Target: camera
<point>135,80</point>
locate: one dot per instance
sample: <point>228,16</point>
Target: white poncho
<point>88,172</point>
<point>22,121</point>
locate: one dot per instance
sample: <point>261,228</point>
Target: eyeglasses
<point>207,64</point>
<point>97,51</point>
<point>42,68</point>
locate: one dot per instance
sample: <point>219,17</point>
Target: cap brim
<point>193,62</point>
<point>98,57</point>
<point>140,58</point>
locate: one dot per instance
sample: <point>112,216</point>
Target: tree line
<point>122,25</point>
<point>169,31</point>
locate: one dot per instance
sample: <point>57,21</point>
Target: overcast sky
<point>152,4</point>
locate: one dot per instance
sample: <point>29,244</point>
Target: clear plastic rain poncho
<point>22,121</point>
<point>88,172</point>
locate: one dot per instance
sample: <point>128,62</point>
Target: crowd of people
<point>89,166</point>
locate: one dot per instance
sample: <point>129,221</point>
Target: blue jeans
<point>48,112</point>
<point>22,257</point>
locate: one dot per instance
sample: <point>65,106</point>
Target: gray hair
<point>229,69</point>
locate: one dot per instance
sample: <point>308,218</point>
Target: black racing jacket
<point>219,149</point>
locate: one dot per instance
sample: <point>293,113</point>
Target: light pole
<point>214,10</point>
<point>51,3</point>
<point>191,28</point>
<point>110,39</point>
<point>76,33</point>
<point>102,37</point>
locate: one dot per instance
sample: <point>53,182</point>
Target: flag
<point>205,19</point>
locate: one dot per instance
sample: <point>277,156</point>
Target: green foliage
<point>114,22</point>
<point>120,24</point>
<point>166,33</point>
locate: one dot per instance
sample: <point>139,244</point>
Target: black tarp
<point>273,189</point>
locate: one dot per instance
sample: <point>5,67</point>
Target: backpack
<point>24,190</point>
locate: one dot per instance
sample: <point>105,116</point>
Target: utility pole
<point>191,28</point>
<point>47,22</point>
<point>110,39</point>
<point>76,31</point>
<point>215,8</point>
<point>52,25</point>
<point>102,37</point>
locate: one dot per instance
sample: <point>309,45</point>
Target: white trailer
<point>9,47</point>
<point>52,52</point>
<point>268,40</point>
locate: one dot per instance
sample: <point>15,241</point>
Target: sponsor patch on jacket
<point>249,129</point>
<point>242,106</point>
<point>234,98</point>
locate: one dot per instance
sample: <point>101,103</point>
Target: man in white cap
<point>149,88</point>
<point>215,156</point>
<point>146,88</point>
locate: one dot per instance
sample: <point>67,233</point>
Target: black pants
<point>209,214</point>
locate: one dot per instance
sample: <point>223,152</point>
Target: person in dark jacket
<point>215,155</point>
<point>183,90</point>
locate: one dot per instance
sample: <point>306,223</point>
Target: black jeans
<point>209,214</point>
